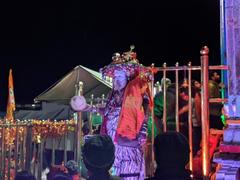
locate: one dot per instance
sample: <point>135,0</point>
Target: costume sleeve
<point>142,136</point>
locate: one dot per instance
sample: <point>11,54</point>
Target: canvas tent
<point>55,100</point>
<point>52,111</point>
<point>63,90</point>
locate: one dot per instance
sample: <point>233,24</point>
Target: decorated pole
<point>205,111</point>
<point>190,117</point>
<point>78,151</point>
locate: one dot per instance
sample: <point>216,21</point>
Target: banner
<point>11,99</point>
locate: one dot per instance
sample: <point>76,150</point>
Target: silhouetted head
<point>62,177</point>
<point>171,150</point>
<point>24,175</point>
<point>72,167</point>
<point>98,153</point>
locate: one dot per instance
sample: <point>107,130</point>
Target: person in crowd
<point>171,151</point>
<point>196,85</point>
<point>170,106</point>
<point>73,169</point>
<point>167,82</point>
<point>215,109</point>
<point>125,115</point>
<point>62,176</point>
<point>196,117</point>
<point>98,157</point>
<point>24,175</point>
<point>55,170</point>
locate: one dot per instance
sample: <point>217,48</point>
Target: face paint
<point>119,80</point>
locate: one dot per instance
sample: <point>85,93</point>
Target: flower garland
<point>40,129</point>
<point>52,129</point>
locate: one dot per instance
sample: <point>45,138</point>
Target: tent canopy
<point>64,89</point>
<point>52,111</point>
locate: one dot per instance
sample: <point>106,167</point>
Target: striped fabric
<point>129,161</point>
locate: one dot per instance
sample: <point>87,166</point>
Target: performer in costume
<point>126,113</point>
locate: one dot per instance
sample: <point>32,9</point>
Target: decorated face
<point>119,80</point>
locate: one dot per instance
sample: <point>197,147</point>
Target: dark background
<point>43,40</point>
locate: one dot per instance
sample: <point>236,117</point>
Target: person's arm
<point>79,104</point>
<point>183,109</point>
<point>142,136</point>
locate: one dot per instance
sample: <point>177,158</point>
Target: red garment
<point>132,113</point>
<point>76,177</point>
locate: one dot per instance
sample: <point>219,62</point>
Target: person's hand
<point>78,103</point>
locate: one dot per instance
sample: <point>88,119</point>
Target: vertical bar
<point>28,145</point>
<point>35,157</point>
<point>190,116</point>
<point>53,152</point>
<point>79,128</point>
<point>205,111</point>
<point>177,98</point>
<point>1,158</point>
<point>40,158</point>
<point>103,99</point>
<point>75,117</point>
<point>65,144</point>
<point>152,116</point>
<point>16,143</point>
<point>164,99</point>
<point>24,145</point>
<point>21,151</point>
<point>223,46</point>
<point>9,157</point>
<point>90,116</point>
<point>2,150</point>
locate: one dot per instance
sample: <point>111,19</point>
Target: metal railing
<point>204,70</point>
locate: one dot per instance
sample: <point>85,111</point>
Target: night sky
<point>43,40</point>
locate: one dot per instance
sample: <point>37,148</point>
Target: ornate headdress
<point>128,63</point>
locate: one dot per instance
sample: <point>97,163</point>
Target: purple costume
<point>129,156</point>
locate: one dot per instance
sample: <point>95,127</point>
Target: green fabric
<point>96,119</point>
<point>215,109</point>
<point>158,105</point>
<point>150,128</point>
<point>170,106</point>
